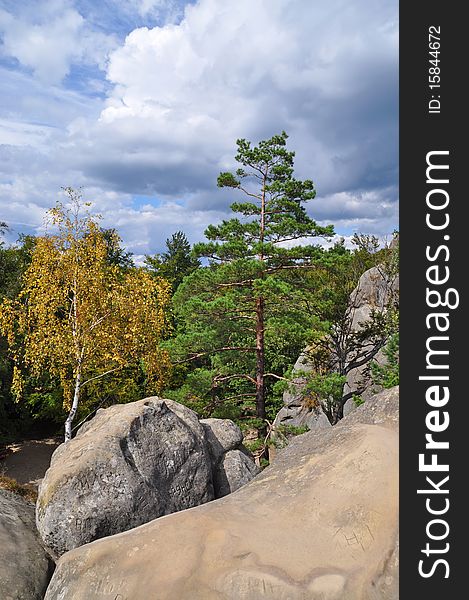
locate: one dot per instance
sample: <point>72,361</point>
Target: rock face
<point>25,568</point>
<point>130,464</point>
<point>321,523</point>
<point>232,465</point>
<point>133,463</point>
<point>375,289</point>
<point>295,411</point>
<point>234,470</point>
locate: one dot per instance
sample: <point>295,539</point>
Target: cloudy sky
<point>140,103</point>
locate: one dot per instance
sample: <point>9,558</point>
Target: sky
<point>139,103</point>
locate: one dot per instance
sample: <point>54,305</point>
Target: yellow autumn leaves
<point>80,316</point>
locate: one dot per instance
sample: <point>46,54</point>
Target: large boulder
<point>320,523</point>
<point>130,464</point>
<point>25,567</point>
<point>234,470</point>
<point>232,465</point>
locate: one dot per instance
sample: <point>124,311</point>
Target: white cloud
<point>182,92</point>
<point>49,39</point>
<point>22,134</point>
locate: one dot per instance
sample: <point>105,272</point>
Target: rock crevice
<point>133,463</point>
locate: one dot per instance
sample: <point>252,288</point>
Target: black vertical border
<point>420,133</point>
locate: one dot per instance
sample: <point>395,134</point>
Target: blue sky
<point>140,102</point>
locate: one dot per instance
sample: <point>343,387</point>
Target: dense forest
<point>217,326</point>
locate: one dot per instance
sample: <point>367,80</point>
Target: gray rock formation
<point>222,435</point>
<point>130,464</point>
<point>374,291</point>
<point>320,523</point>
<point>133,463</point>
<point>232,464</point>
<point>235,469</point>
<point>296,412</point>
<point>25,568</point>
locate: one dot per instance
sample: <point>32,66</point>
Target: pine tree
<point>176,262</point>
<point>233,309</point>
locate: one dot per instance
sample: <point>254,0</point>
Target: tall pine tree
<point>239,306</point>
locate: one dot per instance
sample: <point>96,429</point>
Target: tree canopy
<point>73,316</point>
<point>217,327</point>
<point>238,313</point>
<point>176,262</point>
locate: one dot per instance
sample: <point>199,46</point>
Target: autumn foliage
<point>82,319</point>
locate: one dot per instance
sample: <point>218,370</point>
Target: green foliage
<point>291,430</point>
<point>14,261</point>
<point>325,390</point>
<point>176,262</point>
<point>241,318</point>
<point>387,374</point>
<point>358,400</point>
<point>115,253</point>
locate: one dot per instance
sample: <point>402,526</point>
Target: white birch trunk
<point>73,410</point>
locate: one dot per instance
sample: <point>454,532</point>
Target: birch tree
<point>80,317</point>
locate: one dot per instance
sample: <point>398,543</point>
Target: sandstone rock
<point>302,416</point>
<point>232,464</point>
<point>374,291</point>
<point>295,411</point>
<point>25,568</point>
<point>222,435</point>
<point>130,464</point>
<point>321,523</point>
<point>234,470</point>
<point>349,406</point>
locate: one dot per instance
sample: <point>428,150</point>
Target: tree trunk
<point>260,345</point>
<point>260,364</point>
<point>73,410</point>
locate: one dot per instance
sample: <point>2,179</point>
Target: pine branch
<point>208,352</point>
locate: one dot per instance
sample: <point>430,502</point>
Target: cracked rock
<point>130,464</point>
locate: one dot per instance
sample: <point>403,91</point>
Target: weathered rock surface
<point>296,412</point>
<point>232,464</point>
<point>222,435</point>
<point>234,470</point>
<point>320,524</point>
<point>130,464</point>
<point>374,291</point>
<point>25,568</point>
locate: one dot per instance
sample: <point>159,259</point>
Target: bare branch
<point>208,352</point>
<point>100,320</point>
<point>276,376</point>
<point>221,379</point>
<point>249,193</point>
<point>99,376</point>
<point>235,284</point>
